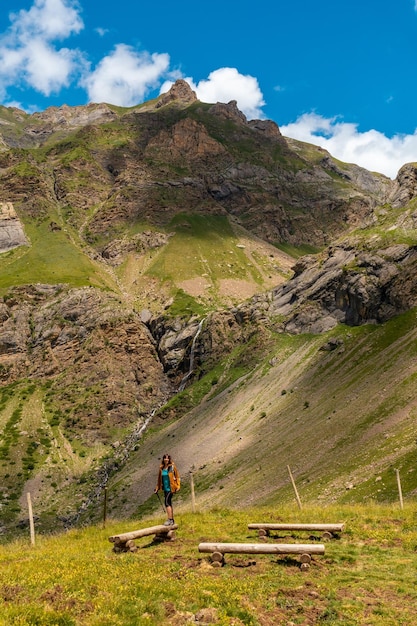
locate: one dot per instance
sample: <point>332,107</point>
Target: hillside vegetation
<point>343,419</point>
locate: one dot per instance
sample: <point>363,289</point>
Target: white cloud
<point>27,52</point>
<point>371,149</point>
<point>50,19</point>
<point>227,84</point>
<point>101,31</point>
<point>30,56</point>
<point>47,69</point>
<point>125,76</point>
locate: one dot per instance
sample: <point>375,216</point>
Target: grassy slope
<point>365,577</point>
<point>208,263</point>
<point>343,421</point>
<point>339,419</point>
<point>52,257</point>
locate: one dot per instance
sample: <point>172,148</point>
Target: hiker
<point>169,482</point>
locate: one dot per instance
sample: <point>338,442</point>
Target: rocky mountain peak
<point>73,117</point>
<point>228,111</point>
<point>180,91</point>
<point>405,185</point>
<point>268,128</point>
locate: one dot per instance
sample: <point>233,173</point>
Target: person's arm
<point>159,483</point>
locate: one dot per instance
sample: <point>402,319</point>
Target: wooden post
<point>297,497</point>
<point>31,524</point>
<point>105,507</point>
<point>400,493</point>
<point>192,493</point>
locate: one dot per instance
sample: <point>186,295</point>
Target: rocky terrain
<point>152,260</point>
<point>11,230</point>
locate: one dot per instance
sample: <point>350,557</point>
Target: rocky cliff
<point>11,230</point>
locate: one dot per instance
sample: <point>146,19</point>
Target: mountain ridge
<point>166,283</point>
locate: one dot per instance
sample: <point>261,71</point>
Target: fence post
<point>105,507</point>
<point>192,493</point>
<point>400,493</point>
<point>297,497</point>
<point>31,524</point>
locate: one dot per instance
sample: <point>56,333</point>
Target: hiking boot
<point>169,522</point>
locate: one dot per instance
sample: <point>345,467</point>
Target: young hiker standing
<point>169,482</point>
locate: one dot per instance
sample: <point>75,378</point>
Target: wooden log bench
<point>218,550</point>
<point>328,531</point>
<point>125,542</point>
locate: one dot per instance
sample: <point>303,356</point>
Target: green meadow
<point>367,575</point>
<point>52,257</point>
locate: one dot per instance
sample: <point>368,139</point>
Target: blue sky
<point>339,74</point>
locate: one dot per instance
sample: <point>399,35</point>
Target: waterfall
<point>192,351</point>
<point>109,468</point>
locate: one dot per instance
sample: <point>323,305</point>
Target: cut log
<point>327,535</point>
<point>305,558</point>
<point>262,548</point>
<point>130,545</point>
<point>143,532</point>
<point>333,528</point>
<point>170,535</point>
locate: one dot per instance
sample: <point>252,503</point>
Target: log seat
<point>328,531</point>
<point>218,550</point>
<point>125,542</point>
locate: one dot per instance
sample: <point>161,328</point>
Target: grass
<point>367,576</point>
<point>52,258</point>
<point>203,246</point>
<point>297,251</point>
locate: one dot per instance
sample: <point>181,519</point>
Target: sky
<point>342,75</point>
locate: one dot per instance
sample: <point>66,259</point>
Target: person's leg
<point>168,506</point>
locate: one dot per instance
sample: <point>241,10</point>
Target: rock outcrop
<point>12,234</point>
<point>343,285</point>
<point>405,188</point>
<point>180,92</point>
<point>103,347</point>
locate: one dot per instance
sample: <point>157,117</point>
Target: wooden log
<point>143,532</point>
<point>333,528</point>
<point>217,556</point>
<point>327,535</point>
<point>262,548</point>
<point>130,545</point>
<point>170,535</point>
<point>305,558</point>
